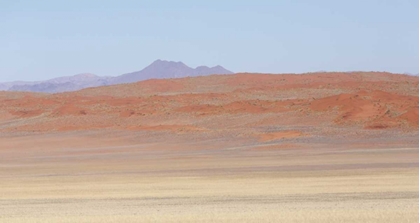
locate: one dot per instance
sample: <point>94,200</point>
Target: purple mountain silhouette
<point>159,69</point>
<point>168,69</point>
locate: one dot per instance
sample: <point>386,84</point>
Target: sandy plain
<point>161,154</point>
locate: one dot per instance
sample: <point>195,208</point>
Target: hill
<point>245,105</point>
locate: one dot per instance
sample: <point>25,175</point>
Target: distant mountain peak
<point>159,61</point>
<point>166,63</point>
<point>202,67</point>
<point>158,69</point>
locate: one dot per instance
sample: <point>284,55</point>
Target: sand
<point>82,177</point>
<point>221,102</point>
<point>321,147</point>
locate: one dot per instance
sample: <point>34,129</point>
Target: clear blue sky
<point>48,38</point>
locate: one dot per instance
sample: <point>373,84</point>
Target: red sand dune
<point>379,107</point>
<point>68,109</point>
<point>366,100</point>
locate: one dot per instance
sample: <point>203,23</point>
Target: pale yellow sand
<point>107,181</point>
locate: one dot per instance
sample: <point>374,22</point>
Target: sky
<point>44,39</point>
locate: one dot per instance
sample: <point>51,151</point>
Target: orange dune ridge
<point>367,100</point>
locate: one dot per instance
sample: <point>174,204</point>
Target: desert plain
<point>315,147</point>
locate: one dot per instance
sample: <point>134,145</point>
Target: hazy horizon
<point>116,75</point>
<point>48,39</point>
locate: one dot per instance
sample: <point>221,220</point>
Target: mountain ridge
<point>159,69</point>
<point>168,69</point>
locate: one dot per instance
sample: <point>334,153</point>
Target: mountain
<point>159,69</point>
<point>7,85</point>
<point>63,84</point>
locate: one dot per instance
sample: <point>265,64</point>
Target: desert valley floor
<point>318,147</point>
